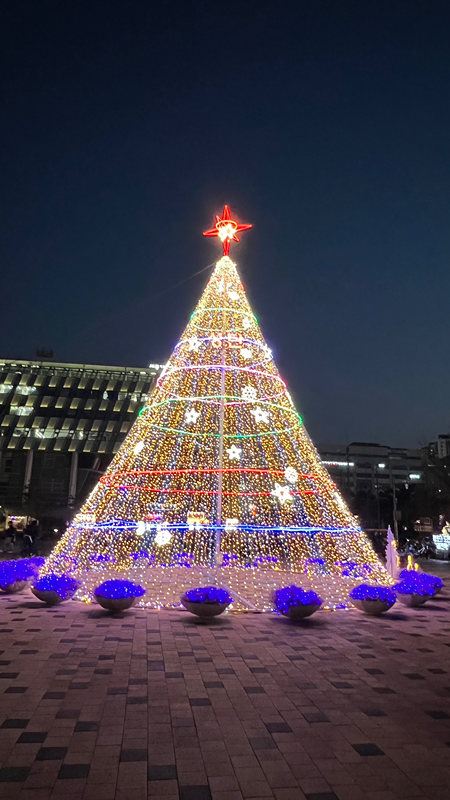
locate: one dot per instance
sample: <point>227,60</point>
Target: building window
<point>20,411</point>
<point>41,433</point>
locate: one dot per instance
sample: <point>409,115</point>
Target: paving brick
<point>322,796</point>
<point>15,723</point>
<point>133,755</point>
<point>16,690</point>
<point>13,775</point>
<point>200,701</point>
<point>32,738</point>
<point>51,753</point>
<point>162,773</point>
<point>68,713</point>
<point>262,743</point>
<point>438,714</point>
<point>368,749</point>
<point>84,726</point>
<point>73,771</point>
<point>195,793</point>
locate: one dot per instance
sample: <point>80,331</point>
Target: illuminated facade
<point>60,425</point>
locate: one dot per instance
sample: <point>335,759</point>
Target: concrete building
<point>441,447</point>
<point>60,425</point>
<point>366,466</point>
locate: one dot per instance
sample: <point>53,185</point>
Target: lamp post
<point>394,507</point>
<point>377,467</point>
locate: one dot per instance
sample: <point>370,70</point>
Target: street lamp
<point>377,467</point>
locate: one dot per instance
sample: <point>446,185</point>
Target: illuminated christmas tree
<point>218,481</point>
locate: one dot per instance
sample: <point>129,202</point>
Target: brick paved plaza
<point>156,704</point>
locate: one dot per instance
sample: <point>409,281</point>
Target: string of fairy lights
<point>279,509</point>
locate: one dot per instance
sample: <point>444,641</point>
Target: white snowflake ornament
<point>246,353</point>
<point>194,343</point>
<point>260,414</point>
<point>191,415</point>
<point>249,393</point>
<point>137,449</point>
<point>282,493</point>
<point>234,453</point>
<point>246,322</point>
<point>291,475</point>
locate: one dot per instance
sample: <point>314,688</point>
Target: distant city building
<point>60,425</point>
<point>441,447</point>
<point>366,466</point>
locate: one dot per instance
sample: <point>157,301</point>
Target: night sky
<point>125,126</point>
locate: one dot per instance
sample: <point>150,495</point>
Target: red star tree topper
<point>227,229</point>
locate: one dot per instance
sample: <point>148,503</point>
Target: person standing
<point>10,538</point>
<point>29,538</point>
